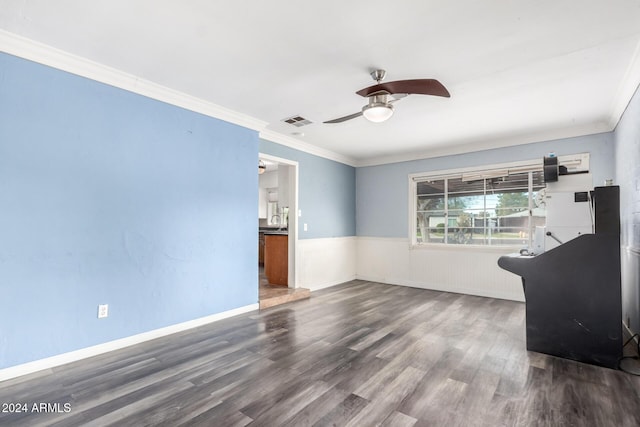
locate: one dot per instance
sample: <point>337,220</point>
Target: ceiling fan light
<point>377,112</point>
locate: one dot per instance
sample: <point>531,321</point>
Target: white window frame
<point>573,162</point>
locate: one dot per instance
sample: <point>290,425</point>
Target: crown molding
<point>475,145</point>
<point>25,48</point>
<point>31,50</point>
<point>290,142</point>
<point>22,47</point>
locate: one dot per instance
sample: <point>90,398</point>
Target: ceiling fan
<point>380,106</point>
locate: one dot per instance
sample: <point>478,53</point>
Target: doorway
<point>278,232</point>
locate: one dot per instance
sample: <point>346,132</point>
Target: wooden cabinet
<point>276,258</point>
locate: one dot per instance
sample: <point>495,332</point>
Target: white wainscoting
<point>630,266</point>
<point>326,262</point>
<point>467,270</point>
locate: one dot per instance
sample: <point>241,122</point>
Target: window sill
<point>466,248</point>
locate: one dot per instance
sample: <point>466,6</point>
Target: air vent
<point>297,121</point>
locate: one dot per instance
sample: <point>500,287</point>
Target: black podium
<point>572,292</point>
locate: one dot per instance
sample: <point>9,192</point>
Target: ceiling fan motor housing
<point>381,100</point>
<point>378,109</point>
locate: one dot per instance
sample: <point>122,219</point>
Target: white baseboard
<point>73,356</point>
<point>324,285</point>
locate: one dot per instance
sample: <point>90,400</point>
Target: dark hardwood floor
<point>358,354</point>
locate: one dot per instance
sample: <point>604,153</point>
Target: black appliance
<point>572,292</point>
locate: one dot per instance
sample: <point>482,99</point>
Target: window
<point>495,205</point>
<point>492,205</point>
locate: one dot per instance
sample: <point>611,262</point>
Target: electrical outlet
<point>305,227</point>
<point>103,311</point>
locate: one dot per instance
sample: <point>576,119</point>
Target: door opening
<point>278,231</point>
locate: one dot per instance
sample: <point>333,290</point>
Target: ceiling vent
<point>297,121</point>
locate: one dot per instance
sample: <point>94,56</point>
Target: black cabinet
<point>572,292</point>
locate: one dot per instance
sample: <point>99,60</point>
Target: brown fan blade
<point>418,86</point>
<point>345,118</point>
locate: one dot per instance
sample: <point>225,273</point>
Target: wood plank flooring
<point>358,354</point>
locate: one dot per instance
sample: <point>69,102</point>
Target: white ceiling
<point>518,71</point>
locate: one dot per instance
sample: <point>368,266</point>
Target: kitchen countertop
<point>273,231</point>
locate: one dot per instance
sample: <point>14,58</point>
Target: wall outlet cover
<point>103,311</point>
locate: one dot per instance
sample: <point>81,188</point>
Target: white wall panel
<point>326,262</point>
<point>630,264</point>
<point>466,270</point>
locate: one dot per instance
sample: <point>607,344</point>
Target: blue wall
<point>326,195</point>
<point>111,197</point>
<point>382,197</point>
<point>627,140</point>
